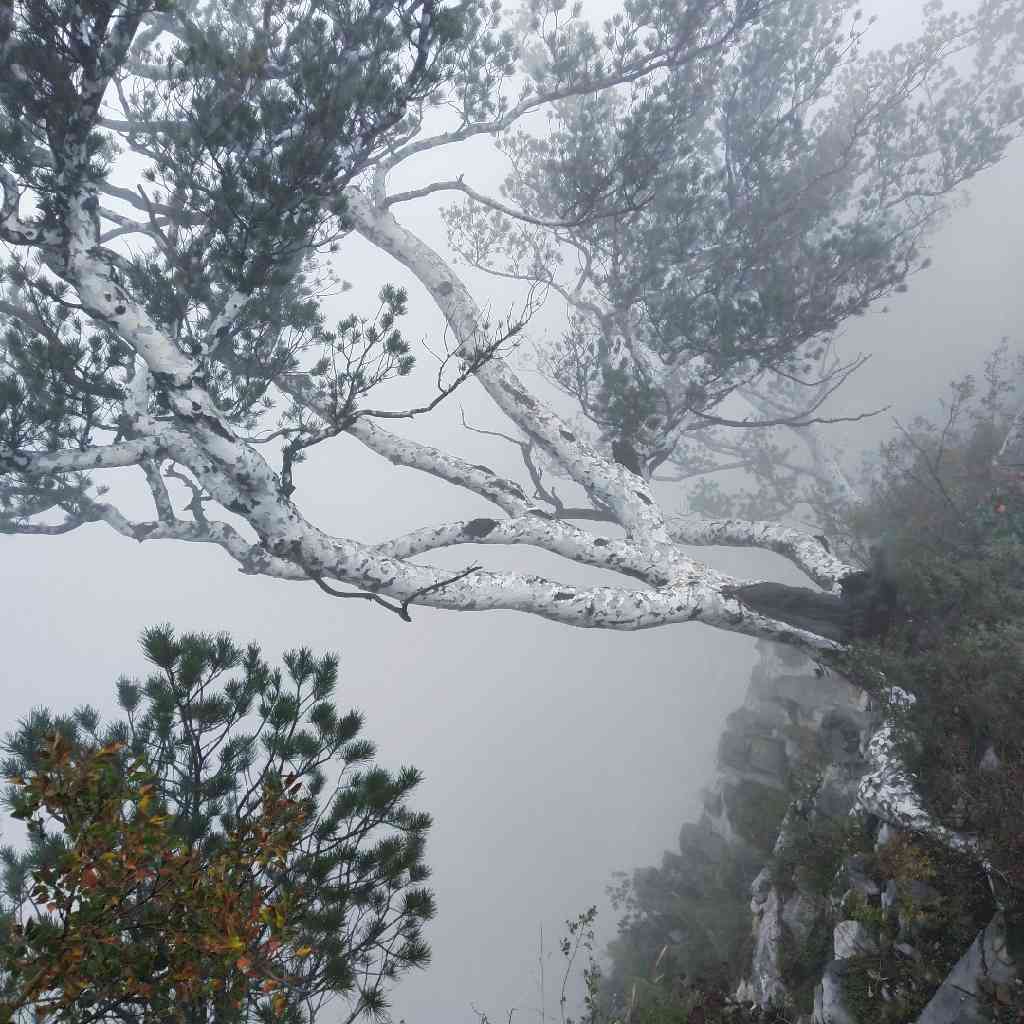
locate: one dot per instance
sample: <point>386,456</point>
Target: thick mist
<point>552,756</point>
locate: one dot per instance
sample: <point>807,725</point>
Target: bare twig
<point>792,421</point>
<point>434,587</point>
<point>401,612</point>
<point>526,448</point>
<point>459,185</point>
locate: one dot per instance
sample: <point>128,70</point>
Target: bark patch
<point>477,528</point>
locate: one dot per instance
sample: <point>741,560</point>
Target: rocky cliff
<point>865,910</point>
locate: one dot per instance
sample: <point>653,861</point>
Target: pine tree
<point>215,724</point>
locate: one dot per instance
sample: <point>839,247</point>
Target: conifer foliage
<point>722,184</point>
<point>134,921</point>
<point>229,850</point>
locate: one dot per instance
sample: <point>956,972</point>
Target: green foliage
<point>948,513</point>
<point>939,923</point>
<point>801,962</point>
<point>814,849</point>
<point>858,907</point>
<point>731,214</point>
<point>947,501</point>
<point>246,154</point>
<point>690,917</point>
<point>250,123</point>
<point>579,939</point>
<point>214,722</point>
<point>756,811</point>
<point>658,995</point>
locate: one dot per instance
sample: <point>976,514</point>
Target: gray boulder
<point>829,1007</point>
<point>986,965</point>
<point>852,938</point>
<point>857,877</point>
<point>765,985</point>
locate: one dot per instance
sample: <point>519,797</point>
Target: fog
<point>553,756</point>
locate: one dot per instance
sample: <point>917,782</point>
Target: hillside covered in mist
<point>859,857</point>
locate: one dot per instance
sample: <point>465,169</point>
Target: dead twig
<point>401,610</point>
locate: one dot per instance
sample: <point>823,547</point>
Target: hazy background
<point>553,756</point>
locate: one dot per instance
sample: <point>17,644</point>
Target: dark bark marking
<point>479,527</point>
<point>520,396</point>
<point>868,607</point>
<point>214,424</point>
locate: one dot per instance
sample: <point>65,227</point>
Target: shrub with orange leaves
<point>235,749</point>
<point>130,919</point>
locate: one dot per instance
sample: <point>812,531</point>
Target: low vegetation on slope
<point>947,528</point>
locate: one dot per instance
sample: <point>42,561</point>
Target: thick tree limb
<point>538,531</point>
<point>479,479</point>
<point>114,456</point>
<point>806,552</point>
<point>625,494</point>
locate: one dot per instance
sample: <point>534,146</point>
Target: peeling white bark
<point>888,792</point>
<point>672,587</point>
<point>665,586</point>
<point>803,550</point>
<point>479,479</point>
<point>13,229</point>
<point>114,456</point>
<point>677,589</point>
<point>606,482</point>
<point>1010,457</point>
<point>827,465</point>
<point>552,535</point>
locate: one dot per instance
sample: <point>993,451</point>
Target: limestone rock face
<point>765,985</point>
<point>837,790</point>
<point>990,760</point>
<point>798,725</point>
<point>793,722</point>
<point>829,1007</point>
<point>986,966</point>
<point>700,850</point>
<point>856,877</point>
<point>748,750</point>
<point>851,938</point>
<point>801,914</point>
